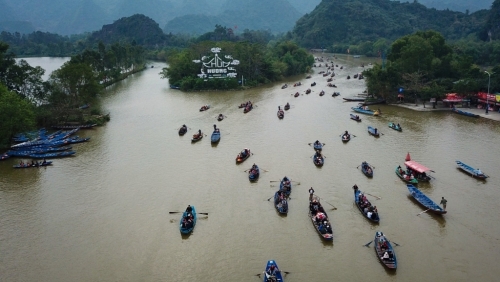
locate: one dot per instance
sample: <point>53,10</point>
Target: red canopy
<point>416,166</point>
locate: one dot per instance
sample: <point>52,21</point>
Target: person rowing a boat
<point>189,209</point>
<point>273,269</point>
<point>44,161</point>
<point>311,193</point>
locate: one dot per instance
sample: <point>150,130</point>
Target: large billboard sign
<point>217,65</point>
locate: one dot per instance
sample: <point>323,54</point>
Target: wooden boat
<point>284,86</point>
<point>280,202</point>
<point>329,79</point>
<point>383,245</point>
<point>346,137</point>
<point>395,127</point>
<point>188,227</point>
<point>367,169</point>
<point>354,99</point>
<point>215,136</point>
<point>332,85</point>
<point>183,130</point>
<point>272,277</point>
<point>52,155</point>
<point>197,137</point>
<point>4,157</point>
<point>424,200</point>
<point>220,117</point>
<point>29,165</point>
<point>287,107</point>
<point>355,117</point>
<point>204,108</point>
<point>418,170</point>
<point>253,173</point>
<point>460,112</point>
<point>286,186</point>
<point>335,94</point>
<point>243,155</point>
<point>318,146</point>
<point>405,178</point>
<point>355,76</point>
<point>321,93</point>
<point>83,126</point>
<point>369,101</point>
<point>297,84</point>
<point>296,94</point>
<point>373,131</point>
<point>348,77</point>
<point>281,114</point>
<point>472,171</point>
<point>366,112</point>
<point>313,84</point>
<point>243,105</point>
<point>308,91</point>
<point>374,217</point>
<point>309,76</point>
<point>75,140</point>
<point>319,226</point>
<point>318,160</point>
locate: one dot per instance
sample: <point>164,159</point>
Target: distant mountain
<point>457,5</point>
<point>276,15</point>
<point>139,28</point>
<point>354,21</point>
<point>22,27</point>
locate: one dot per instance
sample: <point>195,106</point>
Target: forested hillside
<point>354,21</point>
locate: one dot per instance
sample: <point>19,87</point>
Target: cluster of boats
<point>41,145</point>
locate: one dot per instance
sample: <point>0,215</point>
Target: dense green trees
<point>425,66</point>
<point>16,115</point>
<point>257,64</point>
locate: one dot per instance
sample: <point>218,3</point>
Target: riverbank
<point>492,115</point>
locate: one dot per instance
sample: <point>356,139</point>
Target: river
<point>103,215</point>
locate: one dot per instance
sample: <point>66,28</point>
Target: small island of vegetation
<point>256,64</point>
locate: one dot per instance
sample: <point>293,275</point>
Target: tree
<point>16,115</point>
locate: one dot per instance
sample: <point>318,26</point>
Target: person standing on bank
<point>311,193</point>
<point>443,202</point>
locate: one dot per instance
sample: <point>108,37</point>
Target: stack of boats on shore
<point>44,146</point>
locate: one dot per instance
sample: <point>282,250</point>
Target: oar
<point>423,212</point>
<point>368,244</point>
<point>174,212</point>
<point>378,198</point>
<point>270,198</point>
<point>334,208</point>
<point>354,135</point>
<point>395,243</point>
<point>205,213</point>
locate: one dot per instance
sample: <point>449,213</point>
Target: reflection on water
<point>103,215</point>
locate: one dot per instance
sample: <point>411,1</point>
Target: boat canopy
<point>417,167</point>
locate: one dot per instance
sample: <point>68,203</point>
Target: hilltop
<point>354,21</point>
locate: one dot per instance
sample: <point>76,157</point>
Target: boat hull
<point>366,112</point>
<point>395,127</point>
<point>423,200</point>
<point>464,113</point>
<point>281,205</point>
<point>470,170</point>
<point>353,117</point>
<point>254,175</point>
<point>277,275</point>
<point>358,204</point>
<point>367,169</point>
<point>215,137</point>
<point>189,229</point>
<point>411,181</point>
<point>373,132</point>
<point>389,263</point>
